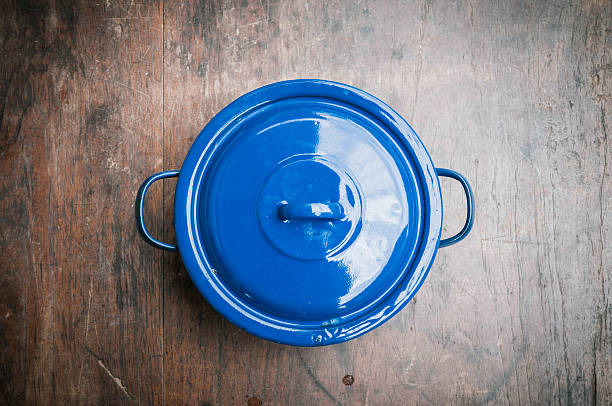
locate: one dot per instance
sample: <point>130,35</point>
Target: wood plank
<point>81,127</point>
<point>507,94</point>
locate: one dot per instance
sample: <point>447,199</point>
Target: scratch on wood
<point>127,18</point>
<point>117,381</point>
<point>132,89</point>
<point>601,189</point>
<point>516,241</point>
<point>419,66</point>
<point>88,308</point>
<point>86,330</point>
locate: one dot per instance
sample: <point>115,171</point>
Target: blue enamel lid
<point>308,212</point>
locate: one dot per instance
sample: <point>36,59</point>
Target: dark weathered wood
<point>81,110</point>
<point>97,96</point>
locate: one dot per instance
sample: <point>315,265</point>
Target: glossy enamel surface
<point>308,212</point>
<point>281,169</point>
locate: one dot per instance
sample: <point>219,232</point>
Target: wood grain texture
<point>94,97</point>
<point>81,126</point>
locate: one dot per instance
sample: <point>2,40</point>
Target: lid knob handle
<point>311,211</point>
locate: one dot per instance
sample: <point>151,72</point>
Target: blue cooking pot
<point>307,212</point>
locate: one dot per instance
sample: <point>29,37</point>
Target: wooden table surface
<point>97,95</point>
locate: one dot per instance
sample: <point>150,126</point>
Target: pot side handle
<point>140,198</point>
<point>469,222</point>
